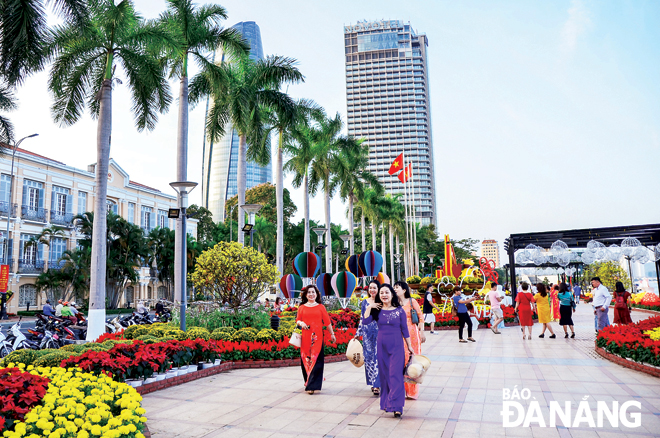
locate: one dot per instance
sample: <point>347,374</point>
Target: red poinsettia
<point>19,392</point>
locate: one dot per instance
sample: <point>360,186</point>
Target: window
<point>162,219</point>
<point>57,248</point>
<point>131,212</point>
<point>112,206</point>
<point>61,201</point>
<point>3,246</point>
<point>129,294</point>
<point>5,183</point>
<point>148,292</point>
<point>27,294</point>
<point>33,194</point>
<point>162,292</point>
<point>146,218</point>
<point>82,202</point>
<point>29,250</point>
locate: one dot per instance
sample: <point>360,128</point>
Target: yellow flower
<point>96,430</point>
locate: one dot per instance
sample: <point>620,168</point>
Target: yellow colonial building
<point>47,192</point>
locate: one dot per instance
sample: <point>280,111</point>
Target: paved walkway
<point>460,397</point>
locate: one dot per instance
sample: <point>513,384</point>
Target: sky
<point>545,115</point>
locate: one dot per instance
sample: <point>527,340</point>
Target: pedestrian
<point>58,308</point>
<point>415,328</point>
<point>495,306</point>
<point>369,333</point>
<point>472,312</point>
<point>459,302</point>
<point>267,303</point>
<point>566,309</point>
<point>621,305</point>
<point>524,303</point>
<point>48,310</point>
<point>542,299</point>
<point>577,291</point>
<point>141,309</point>
<point>392,332</point>
<point>602,299</point>
<point>554,294</point>
<point>315,322</point>
<point>279,303</point>
<point>429,305</point>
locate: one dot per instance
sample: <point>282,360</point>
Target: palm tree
<point>285,123</point>
<point>353,177</point>
<point>85,60</point>
<point>263,235</point>
<point>240,90</point>
<point>299,148</point>
<point>7,103</point>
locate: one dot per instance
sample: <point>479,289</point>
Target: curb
<point>648,369</point>
<point>455,327</point>
<point>227,366</point>
<point>651,312</point>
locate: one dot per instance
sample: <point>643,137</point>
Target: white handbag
<point>355,352</point>
<point>296,339</point>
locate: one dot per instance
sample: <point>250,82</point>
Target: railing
<point>33,214</point>
<point>10,262</point>
<point>5,208</point>
<point>65,219</point>
<point>30,266</point>
<point>56,266</point>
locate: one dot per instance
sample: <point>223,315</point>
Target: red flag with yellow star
<point>406,174</point>
<point>397,165</point>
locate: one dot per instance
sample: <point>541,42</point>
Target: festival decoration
<point>289,284</point>
<point>488,269</point>
<point>307,264</point>
<point>396,165</point>
<point>352,266</point>
<point>372,263</point>
<point>324,284</point>
<point>344,283</point>
<point>382,278</point>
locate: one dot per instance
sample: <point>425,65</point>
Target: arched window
<point>162,292</point>
<point>130,294</point>
<point>149,292</point>
<point>27,294</point>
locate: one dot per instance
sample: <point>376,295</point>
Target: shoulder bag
<point>296,339</point>
<point>413,313</point>
<point>454,310</point>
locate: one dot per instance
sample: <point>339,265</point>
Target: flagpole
<point>406,245</point>
<point>414,216</point>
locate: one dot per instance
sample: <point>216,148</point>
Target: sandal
<point>397,414</point>
<point>376,391</point>
<point>310,392</point>
<point>471,340</point>
<point>462,341</point>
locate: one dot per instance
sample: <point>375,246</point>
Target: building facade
<point>47,192</point>
<point>388,103</point>
<point>219,170</point>
<point>491,250</point>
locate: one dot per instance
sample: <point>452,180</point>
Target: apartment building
<point>47,192</point>
<point>491,250</point>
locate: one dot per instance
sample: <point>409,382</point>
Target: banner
<point>4,277</point>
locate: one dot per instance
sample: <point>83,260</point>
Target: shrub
<point>20,356</point>
<point>148,339</point>
<point>214,319</point>
<point>112,342</point>
<point>159,329</point>
<point>428,280</point>
<point>141,330</point>
<point>415,279</point>
<point>222,335</point>
<point>266,335</point>
<point>129,332</point>
<point>54,359</point>
<point>247,334</point>
<point>198,333</point>
<point>177,334</point>
<point>230,330</point>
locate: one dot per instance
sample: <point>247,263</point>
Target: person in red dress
<point>524,304</point>
<point>621,305</point>
<point>315,323</point>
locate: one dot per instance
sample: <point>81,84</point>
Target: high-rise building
<point>491,250</point>
<point>219,169</point>
<point>387,91</point>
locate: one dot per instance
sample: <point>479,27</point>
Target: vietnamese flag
<point>396,165</point>
<point>406,174</point>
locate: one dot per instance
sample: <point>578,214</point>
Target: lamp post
<point>423,263</point>
<point>320,231</point>
<point>231,228</point>
<point>431,256</point>
<point>251,210</point>
<point>182,189</point>
<point>397,262</point>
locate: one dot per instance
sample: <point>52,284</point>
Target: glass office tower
<point>220,165</point>
<point>387,92</point>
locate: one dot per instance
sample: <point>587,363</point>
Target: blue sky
<point>545,115</point>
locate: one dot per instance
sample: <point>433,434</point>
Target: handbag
<point>355,352</point>
<point>454,310</point>
<point>296,339</point>
<point>413,314</point>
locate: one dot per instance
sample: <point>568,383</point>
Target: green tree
<point>206,228</point>
<point>233,274</point>
<point>264,236</point>
<point>265,195</point>
<point>609,273</point>
<point>85,60</point>
<point>160,244</point>
<point>239,91</point>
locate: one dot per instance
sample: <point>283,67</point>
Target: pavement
<point>462,394</point>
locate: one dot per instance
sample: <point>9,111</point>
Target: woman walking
<point>621,305</point>
<point>369,333</point>
<point>415,328</point>
<point>313,319</point>
<point>463,315</point>
<point>554,294</point>
<point>542,300</point>
<point>392,332</point>
<point>524,303</point>
<point>566,309</point>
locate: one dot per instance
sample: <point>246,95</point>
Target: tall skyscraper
<point>220,166</point>
<point>491,250</point>
<point>387,91</point>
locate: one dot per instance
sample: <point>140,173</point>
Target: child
<point>473,315</point>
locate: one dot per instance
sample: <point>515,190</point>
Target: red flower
<point>19,392</point>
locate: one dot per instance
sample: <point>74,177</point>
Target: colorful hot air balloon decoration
<point>382,278</point>
<point>373,261</point>
<point>324,284</point>
<point>344,283</point>
<point>352,266</point>
<point>290,285</point>
<point>307,264</point>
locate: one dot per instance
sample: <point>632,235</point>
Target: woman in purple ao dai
<point>392,331</point>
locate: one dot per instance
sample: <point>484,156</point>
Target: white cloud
<point>577,23</point>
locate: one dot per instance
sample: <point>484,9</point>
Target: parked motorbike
<point>5,346</point>
<point>19,340</point>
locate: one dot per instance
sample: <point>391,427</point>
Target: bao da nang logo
<point>515,413</point>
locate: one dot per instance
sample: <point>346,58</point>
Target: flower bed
<point>446,319</point>
<point>639,342</point>
<point>75,404</point>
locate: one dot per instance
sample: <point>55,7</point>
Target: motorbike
<point>5,346</point>
<point>164,316</point>
<point>19,340</point>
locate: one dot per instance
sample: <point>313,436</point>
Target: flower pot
<point>217,362</point>
<point>150,380</point>
<point>134,382</point>
<point>161,376</point>
<point>171,374</point>
<point>206,365</point>
<point>200,366</point>
<point>191,369</point>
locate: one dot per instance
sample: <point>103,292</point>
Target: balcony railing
<point>30,266</point>
<point>33,214</point>
<point>55,266</point>
<point>5,208</point>
<point>64,219</point>
<point>9,262</point>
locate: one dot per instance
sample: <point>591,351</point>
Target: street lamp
<point>397,262</point>
<point>182,189</point>
<point>345,238</point>
<point>320,231</point>
<point>431,256</point>
<point>423,263</point>
<point>251,210</point>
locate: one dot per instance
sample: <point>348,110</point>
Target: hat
<point>66,303</point>
<point>72,304</point>
<point>48,301</point>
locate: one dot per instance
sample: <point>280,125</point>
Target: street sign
<point>4,277</point>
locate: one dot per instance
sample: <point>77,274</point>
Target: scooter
<point>19,340</point>
<point>5,346</point>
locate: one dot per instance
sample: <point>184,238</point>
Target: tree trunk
<point>373,234</point>
<point>364,237</point>
<point>384,249</point>
<point>306,211</point>
<point>351,244</point>
<point>328,234</point>
<point>391,252</point>
<point>96,314</point>
<point>181,175</point>
<point>241,183</point>
<point>279,187</point>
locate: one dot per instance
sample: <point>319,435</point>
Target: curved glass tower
<point>219,168</point>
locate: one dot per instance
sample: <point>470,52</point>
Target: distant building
<point>47,192</point>
<point>491,250</point>
<point>219,169</point>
